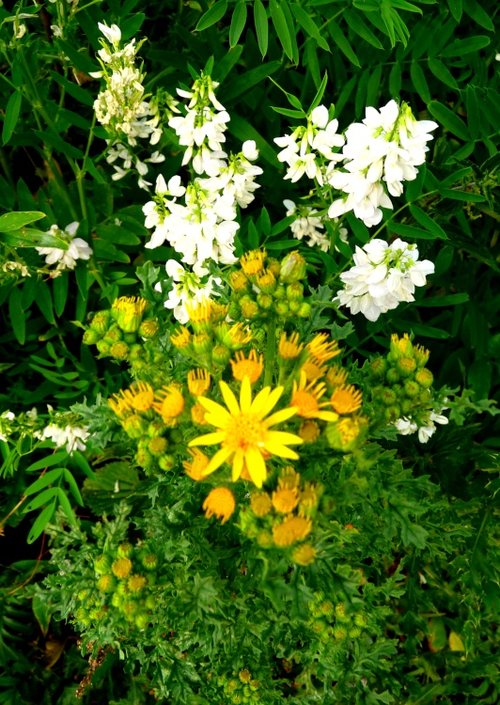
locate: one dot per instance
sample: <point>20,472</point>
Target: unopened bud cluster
<point>123,583</point>
<point>264,286</point>
<point>401,384</point>
<point>119,332</point>
<point>242,688</point>
<point>335,622</point>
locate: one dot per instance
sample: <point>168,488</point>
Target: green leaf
<point>288,112</point>
<point>12,110</point>
<point>243,83</point>
<point>238,21</point>
<point>73,486</point>
<point>47,462</point>
<point>43,481</point>
<point>73,89</point>
<point>41,499</point>
<point>319,93</point>
<point>60,287</point>
<point>395,80</point>
<point>408,6</point>
<point>428,223</point>
<point>309,26</point>
<point>41,521</point>
<point>445,300</point>
<point>281,27</point>
<point>479,15</point>
<point>343,43</point>
<point>292,99</point>
<point>17,315</point>
<point>441,72</point>
<point>455,9</point>
<point>66,506</point>
<point>465,196</point>
<point>410,231</point>
<point>449,119</point>
<point>17,220</point>
<point>359,27</point>
<point>212,15</point>
<point>419,81</point>
<point>466,46</point>
<point>261,26</point>
<point>41,611</point>
<point>43,300</point>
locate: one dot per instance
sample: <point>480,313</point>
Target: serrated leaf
<point>213,15</point>
<point>12,110</point>
<point>448,119</point>
<point>41,521</point>
<point>343,43</point>
<point>238,21</point>
<point>261,24</point>
<point>41,611</point>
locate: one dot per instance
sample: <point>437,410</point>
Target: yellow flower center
<point>309,431</point>
<point>253,262</point>
<point>312,370</point>
<point>245,431</point>
<point>260,503</point>
<point>304,555</point>
<point>285,500</point>
<point>181,338</point>
<point>290,530</point>
<point>170,403</point>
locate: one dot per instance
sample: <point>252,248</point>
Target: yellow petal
<point>281,451</point>
<point>214,409</point>
<point>209,439</point>
<point>237,464</point>
<point>245,396</point>
<point>230,399</point>
<point>262,405</point>
<point>256,466</point>
<point>327,415</point>
<point>220,457</point>
<point>280,416</point>
<point>289,439</point>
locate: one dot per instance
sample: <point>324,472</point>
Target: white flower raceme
<point>65,259</point>
<point>237,176</point>
<point>309,150</point>
<point>406,426</point>
<point>188,288</point>
<point>309,224</point>
<point>380,153</point>
<point>72,437</point>
<point>383,276</point>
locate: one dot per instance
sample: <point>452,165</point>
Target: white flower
<point>113,34</point>
<point>188,288</point>
<point>383,276</point>
<point>65,259</point>
<point>406,426</point>
<point>73,437</point>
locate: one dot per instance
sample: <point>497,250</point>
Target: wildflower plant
<point>246,491</point>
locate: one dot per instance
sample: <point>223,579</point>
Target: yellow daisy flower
<point>250,366</point>
<point>289,349</point>
<point>321,350</point>
<point>194,468</point>
<point>290,530</point>
<point>313,370</point>
<point>304,554</point>
<point>336,376</point>
<point>128,311</point>
<point>260,503</point>
<point>169,403</point>
<point>346,399</point>
<point>220,503</point>
<point>140,396</point>
<point>253,262</point>
<point>306,396</point>
<point>198,381</point>
<point>285,500</point>
<point>181,338</point>
<point>244,433</point>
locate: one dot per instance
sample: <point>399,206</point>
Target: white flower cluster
<point>5,424</point>
<point>188,288</point>
<point>309,150</point>
<point>309,224</point>
<point>406,426</point>
<point>202,226</point>
<point>383,275</point>
<point>73,437</point>
<point>380,153</point>
<point>122,107</point>
<point>65,259</point>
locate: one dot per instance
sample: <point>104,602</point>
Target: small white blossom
<point>383,276</point>
<point>188,288</point>
<point>407,426</point>
<point>65,259</point>
<point>72,437</point>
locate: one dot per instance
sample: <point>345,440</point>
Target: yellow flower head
<point>347,433</point>
<point>198,414</point>
<point>289,349</point>
<point>312,370</point>
<point>266,281</point>
<point>309,431</point>
<point>306,396</point>
<point>220,503</point>
<point>253,262</point>
<point>250,366</point>
<point>320,350</point>
<point>304,554</point>
<point>181,338</point>
<point>238,281</point>
<point>169,403</point>
<point>119,404</point>
<point>309,498</point>
<point>122,567</point>
<point>127,312</point>
<point>198,381</point>
<point>401,346</point>
<point>336,376</point>
<point>346,399</point>
<point>290,530</point>
<point>140,396</point>
<point>285,500</point>
<point>288,479</point>
<point>260,503</point>
<point>194,468</point>
<point>239,336</point>
<point>244,431</point>
<point>200,313</point>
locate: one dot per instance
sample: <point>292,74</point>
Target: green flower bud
<point>102,565</point>
<point>157,445</point>
<point>119,350</point>
<point>265,301</point>
<point>103,347</point>
<point>166,462</point>
<point>280,292</point>
<point>113,335</point>
<point>100,322</point>
<point>293,268</point>
<point>149,328</point>
<point>221,355</point>
<point>424,377</point>
<point>392,375</point>
<point>305,310</point>
<point>412,388</point>
<point>406,366</point>
<point>295,291</point>
<point>106,583</point>
<point>378,367</point>
<point>125,550</point>
<point>282,309</point>
<point>142,620</point>
<point>90,337</point>
<point>134,426</point>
